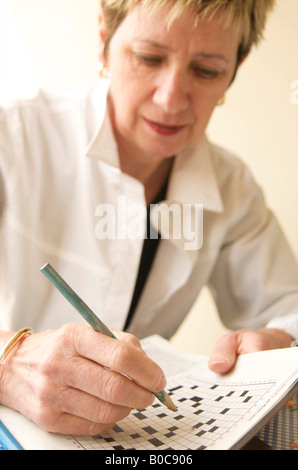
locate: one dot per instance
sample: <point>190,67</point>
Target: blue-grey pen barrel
<point>75,300</point>
<point>89,316</point>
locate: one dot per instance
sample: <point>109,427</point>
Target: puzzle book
<point>214,411</point>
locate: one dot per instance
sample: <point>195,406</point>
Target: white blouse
<point>60,184</point>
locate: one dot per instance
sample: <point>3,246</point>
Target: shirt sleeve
<point>4,150</point>
<point>255,279</point>
<point>9,122</point>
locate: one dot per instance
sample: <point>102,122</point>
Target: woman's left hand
<point>231,345</point>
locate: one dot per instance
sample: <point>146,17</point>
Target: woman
<point>137,140</point>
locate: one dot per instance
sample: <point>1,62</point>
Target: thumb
<point>223,356</point>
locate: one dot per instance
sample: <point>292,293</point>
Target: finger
<point>76,406</point>
<point>128,338</point>
<point>70,424</point>
<point>121,356</point>
<point>109,386</point>
<point>223,356</point>
<point>83,405</point>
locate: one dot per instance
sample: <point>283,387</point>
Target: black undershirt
<point>149,250</point>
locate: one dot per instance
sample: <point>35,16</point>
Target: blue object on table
<point>7,440</point>
<point>281,432</point>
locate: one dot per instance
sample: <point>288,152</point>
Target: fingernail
<point>219,360</point>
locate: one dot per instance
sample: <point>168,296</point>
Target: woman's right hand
<point>76,381</point>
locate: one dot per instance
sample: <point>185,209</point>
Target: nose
<point>172,91</point>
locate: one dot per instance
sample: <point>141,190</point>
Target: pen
<point>91,318</point>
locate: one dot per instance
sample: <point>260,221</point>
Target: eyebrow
<point>204,55</point>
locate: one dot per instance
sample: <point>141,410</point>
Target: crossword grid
<point>205,412</point>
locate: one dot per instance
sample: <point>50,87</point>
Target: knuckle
<point>132,340</point>
<point>122,355</point>
<point>126,355</point>
<point>65,334</point>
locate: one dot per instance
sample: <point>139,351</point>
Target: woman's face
<point>165,82</point>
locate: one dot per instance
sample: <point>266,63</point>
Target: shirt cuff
<point>287,323</point>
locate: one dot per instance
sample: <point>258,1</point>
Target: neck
<point>149,170</point>
<point>152,175</point>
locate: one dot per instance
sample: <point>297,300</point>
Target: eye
<point>149,60</point>
<point>204,72</point>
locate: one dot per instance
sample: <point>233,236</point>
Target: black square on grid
<point>140,415</point>
<point>117,428</point>
<point>149,430</point>
<point>211,421</point>
<point>156,442</point>
<point>170,434</point>
<point>173,428</point>
<point>162,415</point>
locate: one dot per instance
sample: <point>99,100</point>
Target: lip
<point>164,129</point>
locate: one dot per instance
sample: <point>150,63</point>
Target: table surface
<point>281,432</point>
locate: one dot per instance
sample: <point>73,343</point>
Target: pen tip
<point>166,400</point>
<point>171,405</point>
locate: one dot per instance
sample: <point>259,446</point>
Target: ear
<point>102,34</point>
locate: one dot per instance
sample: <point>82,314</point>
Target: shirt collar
<point>193,178</point>
<point>103,145</point>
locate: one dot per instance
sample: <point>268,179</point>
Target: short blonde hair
<point>247,16</point>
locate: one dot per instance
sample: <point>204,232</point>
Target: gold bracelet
<point>13,341</point>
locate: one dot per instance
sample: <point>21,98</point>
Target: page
<point>214,412</point>
<point>172,360</point>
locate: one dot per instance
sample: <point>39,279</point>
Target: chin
<point>163,149</point>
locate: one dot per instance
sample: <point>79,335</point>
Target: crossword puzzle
<point>206,411</point>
